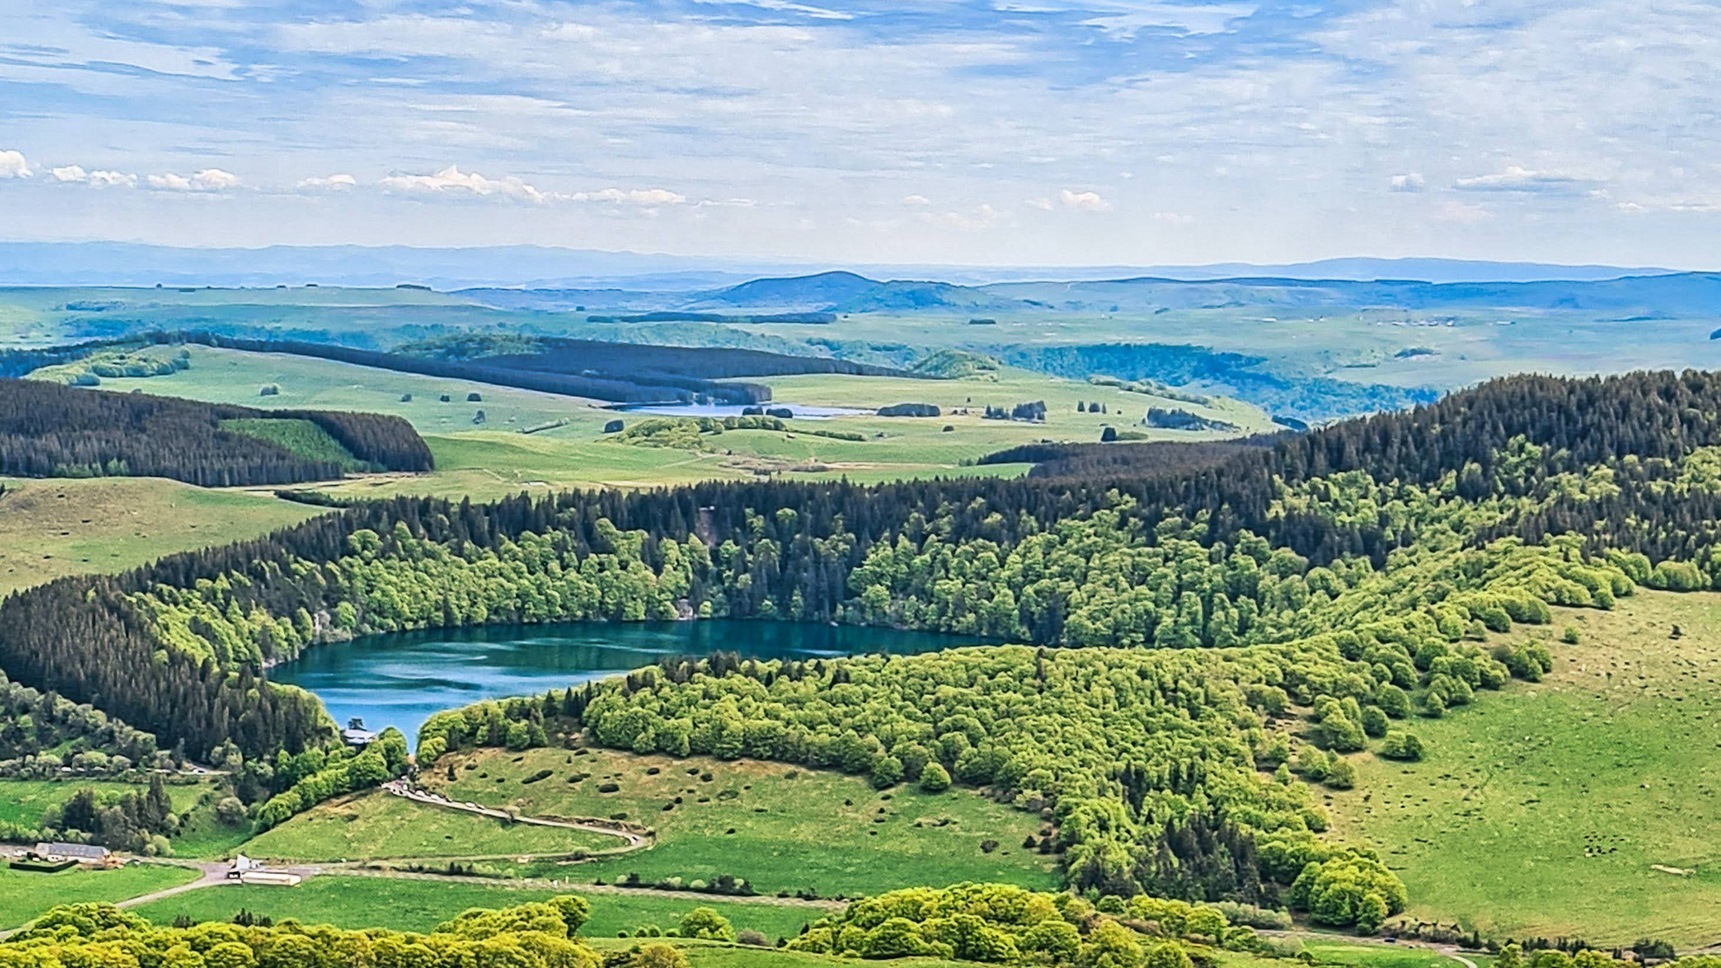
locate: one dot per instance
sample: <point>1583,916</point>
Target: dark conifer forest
<point>48,430</point>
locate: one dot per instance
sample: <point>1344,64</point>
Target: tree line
<point>49,430</point>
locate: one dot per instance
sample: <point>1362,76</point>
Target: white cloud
<point>1043,204</point>
<point>1462,213</point>
<point>452,179</point>
<point>647,197</point>
<point>112,179</point>
<point>76,175</point>
<point>1174,218</point>
<point>981,217</point>
<point>332,183</point>
<point>1084,201</point>
<point>207,180</point>
<point>916,200</point>
<point>1517,178</point>
<point>1408,182</point>
<point>13,165</point>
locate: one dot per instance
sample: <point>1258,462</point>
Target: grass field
<point>1354,955</point>
<point>781,828</point>
<point>24,895</point>
<point>1570,807</point>
<point>52,528</point>
<point>377,826</point>
<point>493,458</point>
<point>420,905</point>
<point>24,801</point>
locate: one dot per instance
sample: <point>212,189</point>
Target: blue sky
<point>950,131</point>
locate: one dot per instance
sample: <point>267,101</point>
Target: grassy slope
<point>24,895</point>
<point>493,459</point>
<point>377,826</point>
<point>420,905</point>
<point>1542,813</point>
<point>301,437</point>
<point>24,801</point>
<point>51,528</point>
<point>817,830</point>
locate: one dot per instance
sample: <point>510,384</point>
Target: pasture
<point>26,894</point>
<point>568,449</point>
<point>378,826</point>
<point>1584,805</point>
<point>407,904</point>
<point>53,528</point>
<point>780,827</point>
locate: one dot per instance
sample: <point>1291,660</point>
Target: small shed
<point>270,878</point>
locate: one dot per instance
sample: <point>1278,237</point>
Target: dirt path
<point>633,839</point>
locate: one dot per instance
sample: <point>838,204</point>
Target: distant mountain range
<point>1628,299</point>
<point>134,264</point>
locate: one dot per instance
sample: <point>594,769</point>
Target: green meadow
<point>781,828</point>
<point>1584,805</point>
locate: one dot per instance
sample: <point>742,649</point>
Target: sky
<point>979,132</point>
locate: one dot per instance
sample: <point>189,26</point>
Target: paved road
<point>577,887</point>
<point>214,875</point>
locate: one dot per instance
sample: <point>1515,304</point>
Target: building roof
<point>57,849</point>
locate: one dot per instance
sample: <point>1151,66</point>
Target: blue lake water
<point>399,679</point>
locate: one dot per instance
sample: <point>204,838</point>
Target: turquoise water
<point>399,679</point>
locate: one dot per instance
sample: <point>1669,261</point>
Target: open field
<point>1354,954</point>
<point>1572,806</point>
<point>235,376</point>
<point>420,905</point>
<point>493,459</point>
<point>52,528</point>
<point>24,801</point>
<point>378,826</point>
<point>25,894</point>
<point>782,828</point>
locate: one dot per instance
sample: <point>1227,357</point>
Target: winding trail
<point>634,839</point>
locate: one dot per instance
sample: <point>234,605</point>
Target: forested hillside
<point>1169,769</point>
<point>49,430</point>
<point>619,372</point>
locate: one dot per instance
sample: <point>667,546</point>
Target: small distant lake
<point>400,679</point>
<point>734,410</point>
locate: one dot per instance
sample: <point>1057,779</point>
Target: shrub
<point>706,924</point>
<point>886,772</point>
<point>935,778</point>
<point>1401,746</point>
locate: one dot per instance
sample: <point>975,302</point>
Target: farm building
<point>82,853</point>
